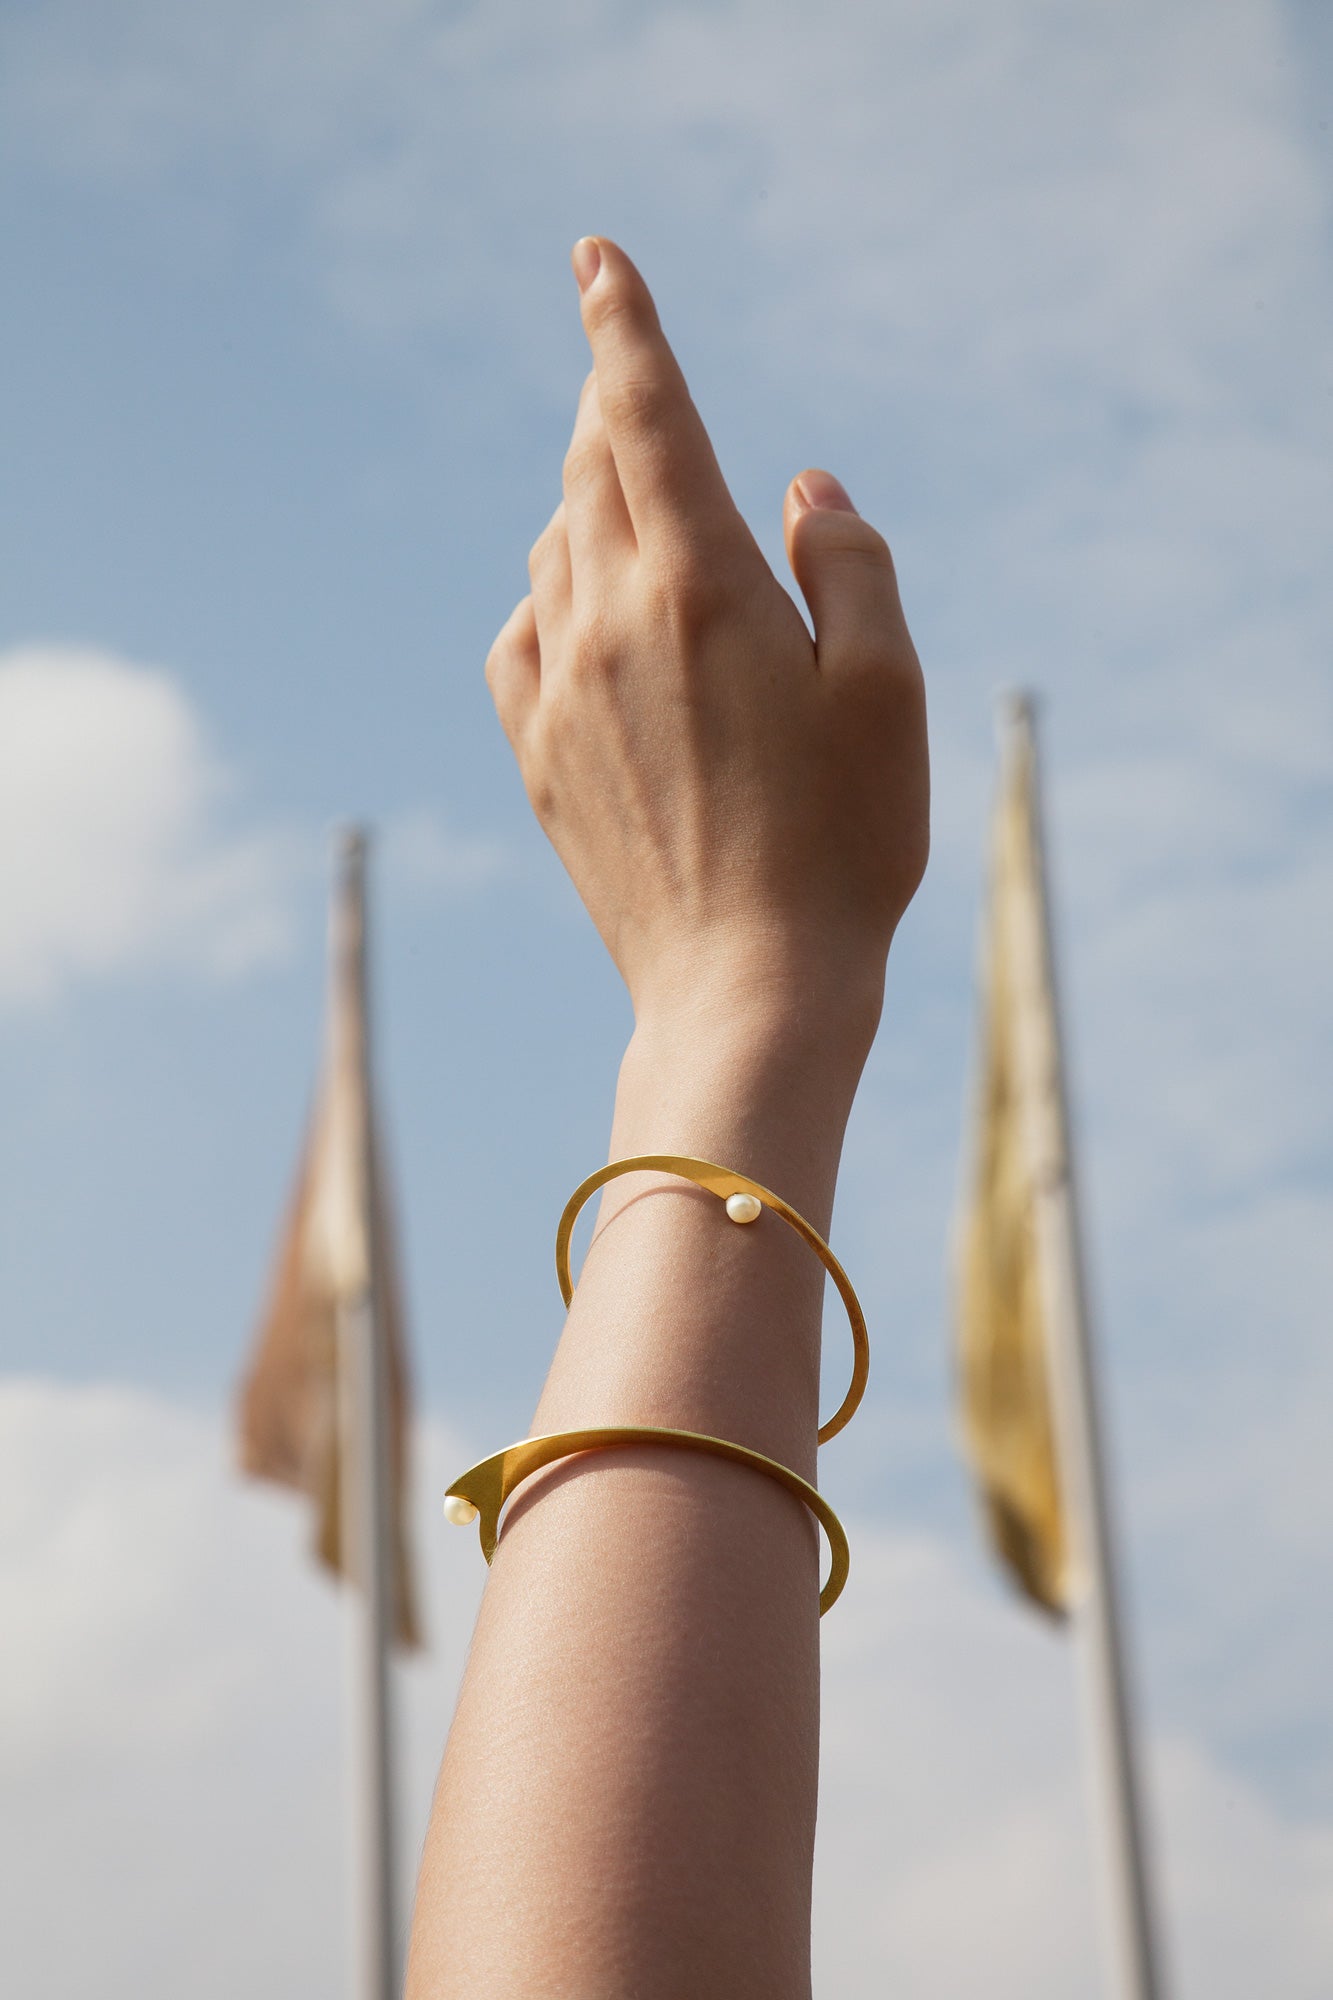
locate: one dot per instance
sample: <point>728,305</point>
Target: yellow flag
<point>336,1253</point>
<point>1006,1393</point>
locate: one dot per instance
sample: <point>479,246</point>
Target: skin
<point>626,1804</point>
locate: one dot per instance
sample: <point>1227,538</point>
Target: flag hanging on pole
<point>1003,1342</point>
<point>336,1253</point>
<point>1031,1423</point>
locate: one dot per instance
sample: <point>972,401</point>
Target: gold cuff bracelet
<point>743,1199</point>
<point>483,1489</point>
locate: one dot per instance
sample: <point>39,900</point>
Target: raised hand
<point>743,811</point>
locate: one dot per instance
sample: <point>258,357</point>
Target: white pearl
<point>744,1207</point>
<point>458,1510</point>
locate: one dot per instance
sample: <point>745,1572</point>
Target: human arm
<point>627,1798</point>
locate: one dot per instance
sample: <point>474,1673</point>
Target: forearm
<point>627,1801</point>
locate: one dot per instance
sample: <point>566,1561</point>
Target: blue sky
<point>292,351</point>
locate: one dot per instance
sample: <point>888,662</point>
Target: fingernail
<point>587,260</point>
<point>821,489</point>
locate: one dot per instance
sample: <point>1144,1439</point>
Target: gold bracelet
<point>483,1489</point>
<point>743,1200</point>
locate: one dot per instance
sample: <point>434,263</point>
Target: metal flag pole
<point>1079,1441</point>
<point>365,1476</point>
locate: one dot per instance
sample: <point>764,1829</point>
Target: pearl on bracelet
<point>744,1207</point>
<point>458,1510</point>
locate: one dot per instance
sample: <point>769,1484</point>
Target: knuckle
<point>693,590</point>
<point>595,650</point>
<point>847,538</point>
<point>544,794</point>
<point>704,596</point>
<point>492,669</point>
<point>583,464</point>
<point>536,766</point>
<point>516,639</point>
<point>875,548</point>
<point>506,708</point>
<point>687,618</point>
<point>637,400</point>
<point>545,550</point>
<point>615,310</point>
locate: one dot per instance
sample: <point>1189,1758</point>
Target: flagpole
<point>364,1496</point>
<point>1082,1459</point>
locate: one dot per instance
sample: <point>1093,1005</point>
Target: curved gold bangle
<point>484,1488</point>
<point>722,1182</point>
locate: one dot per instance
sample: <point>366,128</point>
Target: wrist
<point>766,1090</point>
<point>764,1010</point>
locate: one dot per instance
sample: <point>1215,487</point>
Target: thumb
<point>845,572</point>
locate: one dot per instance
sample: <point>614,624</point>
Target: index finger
<point>669,474</point>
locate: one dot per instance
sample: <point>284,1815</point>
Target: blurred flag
<point>335,1274</point>
<point>1029,1383</point>
<point>1008,1419</point>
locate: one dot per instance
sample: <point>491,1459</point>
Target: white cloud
<point>169,1740</point>
<point>170,1721</point>
<point>109,797</point>
<point>961,1860</point>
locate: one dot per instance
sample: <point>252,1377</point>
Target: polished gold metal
<point>488,1485</point>
<point>722,1182</point>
